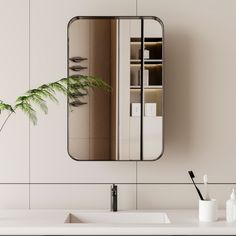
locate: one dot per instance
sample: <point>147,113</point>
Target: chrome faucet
<point>114,195</point>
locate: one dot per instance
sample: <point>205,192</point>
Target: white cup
<point>208,210</point>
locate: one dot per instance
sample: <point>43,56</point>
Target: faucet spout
<point>114,195</point>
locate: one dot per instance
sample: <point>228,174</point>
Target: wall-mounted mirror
<point>125,124</point>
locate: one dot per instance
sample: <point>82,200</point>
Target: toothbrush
<point>198,191</point>
<point>205,180</point>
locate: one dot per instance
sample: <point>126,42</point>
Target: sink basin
<point>118,218</point>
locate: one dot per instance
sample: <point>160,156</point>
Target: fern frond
<point>28,110</point>
<point>5,107</point>
<point>74,87</point>
<point>57,87</point>
<point>44,91</point>
<point>77,87</point>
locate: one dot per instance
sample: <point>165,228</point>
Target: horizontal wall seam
<point>133,183</point>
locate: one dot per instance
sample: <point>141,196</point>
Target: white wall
<point>14,79</point>
<point>200,117</point>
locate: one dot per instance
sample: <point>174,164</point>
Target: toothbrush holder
<point>208,210</point>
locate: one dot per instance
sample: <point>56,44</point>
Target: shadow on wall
<point>178,89</point>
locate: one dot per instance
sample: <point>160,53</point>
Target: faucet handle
<point>114,189</point>
<point>114,199</point>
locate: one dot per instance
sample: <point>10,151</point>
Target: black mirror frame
<point>142,65</point>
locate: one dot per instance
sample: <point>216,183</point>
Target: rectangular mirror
<point>126,123</point>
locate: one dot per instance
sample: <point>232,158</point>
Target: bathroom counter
<point>51,222</point>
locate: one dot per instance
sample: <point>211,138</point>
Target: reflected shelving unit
<point>141,89</point>
<point>152,76</point>
<point>147,97</point>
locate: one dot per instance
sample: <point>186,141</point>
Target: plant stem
<point>2,126</point>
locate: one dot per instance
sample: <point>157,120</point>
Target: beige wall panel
<point>200,127</point>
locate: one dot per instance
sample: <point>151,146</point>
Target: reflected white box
<point>145,77</point>
<point>208,210</point>
<point>150,109</point>
<point>146,54</point>
<point>135,109</point>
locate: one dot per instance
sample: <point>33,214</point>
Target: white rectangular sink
<point>118,218</point>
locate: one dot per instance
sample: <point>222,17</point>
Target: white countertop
<point>51,222</point>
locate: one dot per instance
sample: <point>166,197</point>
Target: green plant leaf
<point>28,110</point>
<point>74,87</point>
<point>77,87</point>
<point>5,107</point>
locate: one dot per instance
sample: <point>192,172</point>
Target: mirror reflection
<point>125,123</point>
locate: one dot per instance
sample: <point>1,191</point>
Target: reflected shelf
<point>146,87</point>
<point>146,43</point>
<point>147,61</point>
